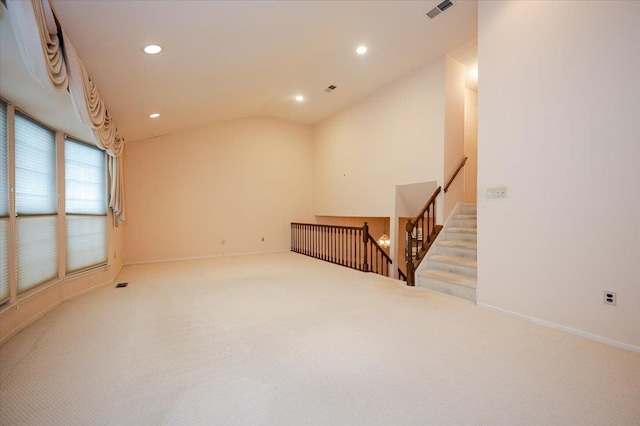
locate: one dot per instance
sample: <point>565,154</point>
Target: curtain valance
<point>54,63</point>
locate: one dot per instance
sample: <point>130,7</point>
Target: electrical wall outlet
<point>497,192</point>
<point>609,298</point>
<point>222,242</point>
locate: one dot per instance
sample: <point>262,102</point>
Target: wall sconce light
<point>384,240</point>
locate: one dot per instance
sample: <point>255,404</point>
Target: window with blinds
<point>36,203</point>
<point>4,206</point>
<point>85,205</point>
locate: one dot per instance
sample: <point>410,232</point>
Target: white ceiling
<point>224,60</point>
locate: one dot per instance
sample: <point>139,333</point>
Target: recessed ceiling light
<point>299,98</point>
<point>361,50</point>
<point>152,49</point>
<point>154,115</point>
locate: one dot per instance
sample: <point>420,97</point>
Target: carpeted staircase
<point>451,265</point>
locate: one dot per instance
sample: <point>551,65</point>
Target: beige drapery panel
<point>54,63</point>
<point>36,31</point>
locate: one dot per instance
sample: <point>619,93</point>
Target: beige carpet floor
<point>282,339</point>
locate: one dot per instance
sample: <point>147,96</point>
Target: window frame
<point>106,215</point>
<point>63,275</point>
<point>18,216</point>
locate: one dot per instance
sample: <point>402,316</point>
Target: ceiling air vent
<point>330,89</point>
<point>446,4</point>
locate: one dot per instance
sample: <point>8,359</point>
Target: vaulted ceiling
<point>224,60</point>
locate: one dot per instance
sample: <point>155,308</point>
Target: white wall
<point>393,137</point>
<point>471,146</point>
<point>453,134</point>
<point>559,124</point>
<point>237,181</point>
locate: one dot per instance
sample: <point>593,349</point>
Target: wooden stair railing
<point>421,237</point>
<point>462,163</point>
<point>348,246</point>
<point>417,244</point>
<point>401,275</point>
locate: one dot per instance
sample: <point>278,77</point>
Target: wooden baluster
<point>345,249</point>
<point>434,216</point>
<point>324,243</point>
<point>333,245</point>
<point>409,255</point>
<point>344,238</point>
<point>365,240</point>
<point>352,249</point>
<point>339,246</point>
<point>349,248</point>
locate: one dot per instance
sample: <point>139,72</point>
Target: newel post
<point>411,273</point>
<point>365,240</point>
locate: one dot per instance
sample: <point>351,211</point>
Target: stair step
<point>459,248</point>
<point>446,283</point>
<point>465,216</point>
<point>455,230</point>
<point>464,223</point>
<point>454,260</point>
<point>468,209</point>
<point>462,266</point>
<point>461,234</point>
<point>471,245</point>
<point>449,278</point>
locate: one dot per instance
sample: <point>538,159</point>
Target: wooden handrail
<point>414,222</point>
<point>446,187</point>
<point>401,275</point>
<point>382,252</point>
<point>425,236</point>
<point>328,226</point>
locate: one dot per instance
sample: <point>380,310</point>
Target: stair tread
<point>448,277</point>
<point>465,216</point>
<point>455,260</point>
<point>462,230</point>
<point>459,244</point>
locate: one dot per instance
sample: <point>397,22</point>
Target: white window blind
<point>35,168</point>
<point>4,166</point>
<point>4,260</point>
<point>85,179</point>
<point>86,242</point>
<point>36,203</point>
<point>37,250</point>
<point>4,207</point>
<point>86,205</point>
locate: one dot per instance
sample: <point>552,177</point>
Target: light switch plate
<point>497,192</point>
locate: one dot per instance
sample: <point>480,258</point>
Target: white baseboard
<point>211,256</point>
<point>566,329</point>
<point>88,289</point>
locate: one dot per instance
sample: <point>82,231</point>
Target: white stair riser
<point>447,288</point>
<point>468,209</point>
<point>464,271</point>
<point>457,251</point>
<point>464,223</point>
<point>460,236</point>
